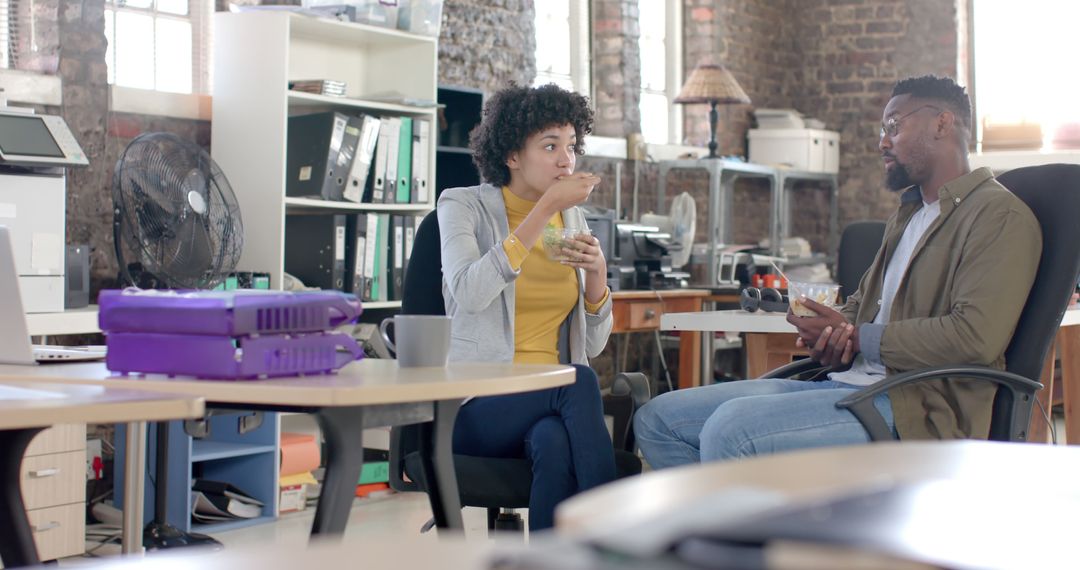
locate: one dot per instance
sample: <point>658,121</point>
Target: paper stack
<point>216,501</point>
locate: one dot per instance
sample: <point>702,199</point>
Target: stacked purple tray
<point>243,334</point>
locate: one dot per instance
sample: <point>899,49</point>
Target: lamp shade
<point>710,83</point>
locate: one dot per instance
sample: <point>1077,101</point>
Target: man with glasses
<point>947,287</point>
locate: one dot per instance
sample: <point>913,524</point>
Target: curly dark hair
<point>941,89</point>
<point>514,114</point>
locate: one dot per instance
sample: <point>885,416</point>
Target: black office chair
<point>858,246</point>
<point>486,482</point>
<point>1052,192</point>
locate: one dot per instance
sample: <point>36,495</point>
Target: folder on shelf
<point>397,252</point>
<point>404,168</point>
<point>410,234</point>
<point>420,161</point>
<point>319,155</point>
<point>380,285</point>
<point>356,183</point>
<point>355,248</point>
<point>371,229</point>
<point>393,146</point>
<point>378,188</point>
<point>315,249</point>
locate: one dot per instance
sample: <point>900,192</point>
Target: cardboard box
<point>812,150</point>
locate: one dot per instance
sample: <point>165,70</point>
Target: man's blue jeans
<point>748,417</point>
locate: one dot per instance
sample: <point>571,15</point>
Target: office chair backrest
<point>1052,192</point>
<point>422,294</point>
<point>858,245</point>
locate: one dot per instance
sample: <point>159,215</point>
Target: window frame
<point>200,16</point>
<point>673,72</point>
<point>580,49</point>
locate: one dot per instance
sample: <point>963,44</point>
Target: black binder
<point>321,147</point>
<point>355,249</point>
<point>315,249</point>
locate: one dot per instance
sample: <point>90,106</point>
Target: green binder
<point>404,164</point>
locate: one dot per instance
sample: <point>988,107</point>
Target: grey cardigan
<point>478,282</point>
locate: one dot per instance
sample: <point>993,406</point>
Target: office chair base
<point>159,536</point>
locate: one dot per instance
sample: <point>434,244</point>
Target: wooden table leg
<point>1038,431</point>
<point>757,354</point>
<point>1068,346</point>
<point>689,359</point>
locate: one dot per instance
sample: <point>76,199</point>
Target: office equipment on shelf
<point>315,249</point>
<point>77,276</point>
<point>34,151</point>
<point>811,150</point>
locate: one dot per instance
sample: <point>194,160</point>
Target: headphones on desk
<point>767,299</point>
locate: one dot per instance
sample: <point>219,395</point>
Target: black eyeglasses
<point>891,127</point>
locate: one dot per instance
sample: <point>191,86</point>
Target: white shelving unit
<point>252,104</point>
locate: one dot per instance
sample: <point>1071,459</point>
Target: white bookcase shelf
<point>252,104</point>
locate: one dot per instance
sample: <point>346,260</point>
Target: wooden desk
<point>770,343</point>
<point>27,408</point>
<point>640,311</point>
<point>642,503</point>
<point>769,338</point>
<point>368,393</point>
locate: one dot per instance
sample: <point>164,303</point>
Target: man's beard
<point>897,178</point>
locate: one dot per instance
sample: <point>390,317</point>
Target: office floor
<point>392,515</point>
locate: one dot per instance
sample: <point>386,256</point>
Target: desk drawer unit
<point>57,439</point>
<point>53,481</point>
<point>59,531</point>
<point>645,315</point>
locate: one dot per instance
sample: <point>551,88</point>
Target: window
<point>562,44</point>
<point>661,66</point>
<point>159,44</point>
<point>1025,82</point>
<point>6,33</point>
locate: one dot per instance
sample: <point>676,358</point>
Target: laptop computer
<point>15,347</point>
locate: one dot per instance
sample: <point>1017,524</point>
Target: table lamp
<point>713,84</point>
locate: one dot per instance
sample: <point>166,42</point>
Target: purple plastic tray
<point>228,358</point>
<point>224,313</point>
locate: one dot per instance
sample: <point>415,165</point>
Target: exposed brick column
<point>616,67</point>
<point>486,44</point>
<point>85,107</point>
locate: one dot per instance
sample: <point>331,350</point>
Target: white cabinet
<point>256,54</point>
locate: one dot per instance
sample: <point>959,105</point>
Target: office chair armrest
<point>861,403</point>
<point>398,451</point>
<point>633,384</point>
<point>799,370</point>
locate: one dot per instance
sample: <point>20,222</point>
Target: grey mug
<point>422,340</point>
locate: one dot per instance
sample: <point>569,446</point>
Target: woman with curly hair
<point>510,302</point>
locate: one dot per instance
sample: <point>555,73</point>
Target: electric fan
<point>680,224</point>
<point>175,212</point>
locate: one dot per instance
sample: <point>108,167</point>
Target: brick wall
<point>486,44</point>
<point>616,67</point>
